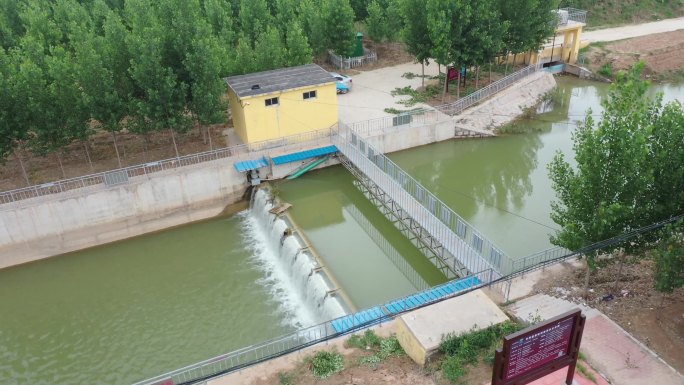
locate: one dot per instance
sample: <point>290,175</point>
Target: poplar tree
<point>415,33</point>
<point>269,52</point>
<point>338,26</point>
<point>298,50</point>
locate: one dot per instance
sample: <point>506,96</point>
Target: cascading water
<point>293,277</point>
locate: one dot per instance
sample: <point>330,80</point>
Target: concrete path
<point>372,92</point>
<point>612,351</point>
<point>629,31</point>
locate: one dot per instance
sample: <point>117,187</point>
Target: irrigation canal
<point>130,310</point>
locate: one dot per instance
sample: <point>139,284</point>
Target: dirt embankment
<point>662,54</point>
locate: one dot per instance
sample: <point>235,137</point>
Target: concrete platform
<point>421,331</point>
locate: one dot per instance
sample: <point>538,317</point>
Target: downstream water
<point>134,309</point>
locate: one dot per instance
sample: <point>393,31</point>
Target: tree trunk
<point>477,77</point>
<point>458,90</point>
<point>61,166</point>
<point>90,162</point>
<point>116,148</point>
<point>621,262</point>
<point>506,67</point>
<point>23,169</point>
<point>173,139</point>
<point>446,80</point>
<point>586,278</point>
<point>422,65</point>
<point>490,72</point>
<point>146,145</point>
<point>211,144</point>
<point>515,55</point>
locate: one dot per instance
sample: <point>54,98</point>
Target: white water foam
<point>300,291</point>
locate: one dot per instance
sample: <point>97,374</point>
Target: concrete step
<point>541,307</point>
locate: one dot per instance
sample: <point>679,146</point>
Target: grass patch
<point>382,348</point>
<point>325,364</point>
<point>586,373</point>
<point>606,70</point>
<point>286,379</point>
<point>467,349</point>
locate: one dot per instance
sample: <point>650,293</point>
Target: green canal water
<point>134,309</point>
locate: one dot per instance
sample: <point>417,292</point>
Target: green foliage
<point>337,18</point>
<point>606,70</point>
<point>620,160</point>
<point>285,379</point>
<point>269,51</point>
<point>376,22</point>
<point>466,348</point>
<point>325,364</point>
<point>369,340</point>
<point>669,259</point>
<point>453,368</point>
<point>416,96</point>
<point>415,33</point>
<point>298,50</point>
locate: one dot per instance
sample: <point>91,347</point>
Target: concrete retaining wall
<point>42,227</point>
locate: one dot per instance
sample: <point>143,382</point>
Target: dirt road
<point>630,31</point>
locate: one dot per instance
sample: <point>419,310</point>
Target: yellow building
<point>272,104</point>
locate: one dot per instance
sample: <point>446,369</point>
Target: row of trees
<point>465,33</point>
<point>70,67</point>
<point>629,173</point>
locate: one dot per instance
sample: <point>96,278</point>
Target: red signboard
<point>540,350</point>
<point>452,74</point>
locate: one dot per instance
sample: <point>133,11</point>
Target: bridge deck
<point>457,248</point>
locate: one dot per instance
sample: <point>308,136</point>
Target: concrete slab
<point>421,331</point>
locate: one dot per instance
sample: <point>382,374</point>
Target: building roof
<point>278,80</point>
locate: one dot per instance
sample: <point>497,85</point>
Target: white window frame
<point>277,102</point>
<point>308,95</point>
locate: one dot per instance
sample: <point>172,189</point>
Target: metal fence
<point>414,118</point>
<point>123,175</point>
<point>467,246</point>
<point>346,63</point>
<point>236,360</point>
<point>461,104</point>
<point>575,15</point>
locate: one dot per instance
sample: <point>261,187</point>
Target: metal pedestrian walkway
<point>453,245</point>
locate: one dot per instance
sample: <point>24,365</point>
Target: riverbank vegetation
<point>628,174</point>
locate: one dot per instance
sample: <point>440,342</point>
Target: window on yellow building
<point>310,95</point>
<point>271,102</point>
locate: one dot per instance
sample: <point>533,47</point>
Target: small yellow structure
<point>272,104</point>
<point>564,46</point>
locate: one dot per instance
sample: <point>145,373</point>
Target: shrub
<point>325,364</point>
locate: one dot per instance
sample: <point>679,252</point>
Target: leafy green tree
<point>254,18</point>
<point>360,8</point>
<point>313,25</point>
<point>338,26</point>
<point>607,193</point>
<point>219,14</point>
<point>449,25</point>
<point>669,259</point>
<point>285,15</point>
<point>486,34</point>
<point>667,157</point>
<point>298,50</point>
<point>415,33</point>
<point>11,27</point>
<point>244,61</point>
<point>269,51</point>
<point>376,22</point>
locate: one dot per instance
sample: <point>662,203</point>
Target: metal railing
<point>461,104</point>
<point>574,15</point>
<point>346,63</point>
<point>464,243</point>
<point>414,118</point>
<point>123,175</point>
<point>241,358</point>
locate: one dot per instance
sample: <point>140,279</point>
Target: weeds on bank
<point>416,96</point>
<point>467,349</point>
<point>382,348</point>
<point>606,70</point>
<point>325,364</point>
<point>586,373</point>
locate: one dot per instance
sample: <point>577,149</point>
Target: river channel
<point>130,310</point>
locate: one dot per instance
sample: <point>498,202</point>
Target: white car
<point>344,82</point>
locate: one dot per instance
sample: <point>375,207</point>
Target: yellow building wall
<point>568,44</point>
<point>254,121</point>
<point>238,115</point>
